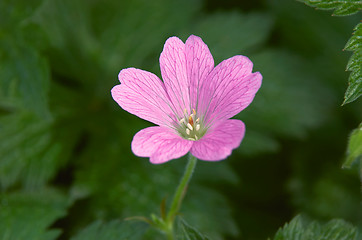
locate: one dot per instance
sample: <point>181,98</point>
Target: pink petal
<point>173,70</point>
<point>142,94</point>
<point>160,144</point>
<point>199,63</point>
<point>218,144</point>
<point>229,88</point>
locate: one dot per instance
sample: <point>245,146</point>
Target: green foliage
<point>28,153</point>
<point>298,229</point>
<point>28,215</point>
<point>354,65</point>
<point>284,119</point>
<point>114,230</point>
<point>354,149</point>
<point>189,233</point>
<point>59,126</point>
<point>341,7</point>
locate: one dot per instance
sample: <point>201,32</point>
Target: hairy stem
<point>179,195</point>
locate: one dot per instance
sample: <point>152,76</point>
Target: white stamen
<point>182,120</point>
<point>198,120</point>
<point>187,131</point>
<point>197,127</point>
<point>192,139</point>
<point>190,127</point>
<point>196,137</point>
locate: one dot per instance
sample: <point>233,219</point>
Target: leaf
<point>31,152</point>
<point>354,149</point>
<point>113,230</point>
<point>189,233</point>
<point>335,229</point>
<point>24,77</point>
<point>354,65</point>
<point>27,215</point>
<point>341,7</point>
<point>13,13</point>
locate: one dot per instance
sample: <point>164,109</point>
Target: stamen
<point>185,111</point>
<point>187,131</point>
<point>197,127</point>
<point>198,120</point>
<point>192,139</point>
<point>193,111</point>
<point>182,120</point>
<point>190,127</point>
<point>196,137</point>
<point>191,120</point>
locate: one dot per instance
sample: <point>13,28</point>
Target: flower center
<point>191,127</point>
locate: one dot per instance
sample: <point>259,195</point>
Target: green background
<point>65,156</point>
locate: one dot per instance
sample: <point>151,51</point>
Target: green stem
<point>179,195</point>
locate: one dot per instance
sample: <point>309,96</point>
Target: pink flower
<point>192,105</point>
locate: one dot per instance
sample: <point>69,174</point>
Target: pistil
<point>191,127</point>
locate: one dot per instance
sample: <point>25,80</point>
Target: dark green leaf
<point>189,233</point>
<point>26,216</point>
<point>354,149</point>
<point>298,229</point>
<point>24,77</point>
<point>341,7</point>
<point>114,230</point>
<point>354,65</point>
<point>30,152</point>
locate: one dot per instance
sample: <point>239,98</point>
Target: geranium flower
<point>192,105</point>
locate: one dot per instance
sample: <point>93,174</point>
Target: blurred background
<point>65,156</point>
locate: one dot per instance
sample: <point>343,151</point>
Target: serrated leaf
<point>24,77</point>
<point>341,7</point>
<point>354,65</point>
<point>30,154</point>
<point>298,229</point>
<point>27,216</point>
<point>189,233</point>
<point>114,230</point>
<point>354,149</point>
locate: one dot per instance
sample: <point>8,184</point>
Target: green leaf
<point>189,233</point>
<point>31,153</point>
<point>354,149</point>
<point>114,230</point>
<point>13,13</point>
<point>354,65</point>
<point>298,229</point>
<point>341,7</point>
<point>27,216</point>
<point>24,77</point>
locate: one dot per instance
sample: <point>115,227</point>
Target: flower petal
<point>229,88</point>
<point>173,70</point>
<point>160,144</point>
<point>199,63</point>
<point>218,144</point>
<point>142,94</point>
